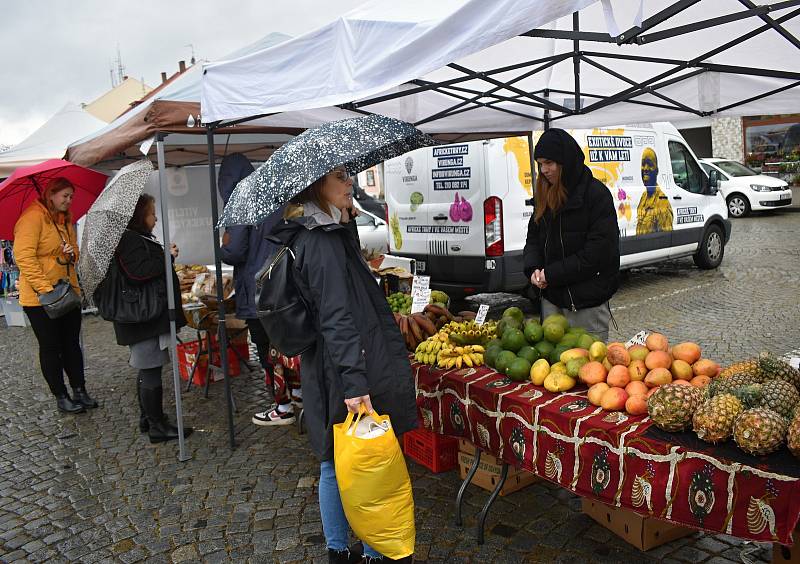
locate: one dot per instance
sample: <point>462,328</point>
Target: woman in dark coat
<point>572,250</point>
<point>359,357</point>
<point>140,258</point>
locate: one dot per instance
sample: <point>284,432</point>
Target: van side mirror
<point>713,182</point>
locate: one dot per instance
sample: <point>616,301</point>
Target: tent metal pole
<point>772,23</point>
<point>222,334</point>
<point>546,95</point>
<point>630,35</point>
<point>576,61</point>
<point>171,305</point>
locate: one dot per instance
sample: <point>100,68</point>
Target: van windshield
<point>735,169</point>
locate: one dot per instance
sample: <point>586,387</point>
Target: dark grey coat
<point>359,349</point>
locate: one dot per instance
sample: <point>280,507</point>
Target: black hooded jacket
<point>578,246</point>
<point>359,348</point>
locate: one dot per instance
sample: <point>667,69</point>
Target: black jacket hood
<point>559,146</point>
<point>233,169</point>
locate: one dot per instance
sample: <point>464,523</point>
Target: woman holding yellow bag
<point>358,361</point>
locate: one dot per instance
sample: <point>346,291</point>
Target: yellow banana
<point>478,349</point>
<point>468,360</point>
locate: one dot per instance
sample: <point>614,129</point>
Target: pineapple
<point>750,396</point>
<point>759,431</point>
<point>781,397</point>
<point>672,406</point>
<point>793,438</point>
<point>721,385</point>
<point>749,365</point>
<point>773,368</point>
<point>713,420</point>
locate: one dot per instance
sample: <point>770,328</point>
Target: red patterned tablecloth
<point>607,456</point>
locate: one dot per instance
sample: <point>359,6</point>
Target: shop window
<point>772,143</point>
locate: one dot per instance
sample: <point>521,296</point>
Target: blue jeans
<point>334,521</point>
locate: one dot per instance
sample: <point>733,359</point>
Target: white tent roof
<point>686,59</point>
<point>50,141</point>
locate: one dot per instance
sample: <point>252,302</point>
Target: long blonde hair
<point>53,186</point>
<point>548,197</point>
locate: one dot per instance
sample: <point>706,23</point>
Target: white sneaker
<point>273,417</point>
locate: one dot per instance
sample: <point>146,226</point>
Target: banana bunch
<point>428,350</point>
<point>469,332</point>
<point>458,356</point>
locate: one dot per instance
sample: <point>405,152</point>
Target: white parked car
<point>745,190</point>
<point>373,233</point>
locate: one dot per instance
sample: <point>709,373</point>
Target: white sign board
<point>480,318</point>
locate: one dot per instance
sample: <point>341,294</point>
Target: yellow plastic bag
<point>374,485</point>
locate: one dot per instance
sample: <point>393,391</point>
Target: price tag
<point>420,283</point>
<point>420,299</point>
<point>638,339</point>
<point>480,318</point>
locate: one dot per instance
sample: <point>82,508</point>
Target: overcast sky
<point>56,51</point>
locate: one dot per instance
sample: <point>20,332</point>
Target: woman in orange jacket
<point>46,249</point>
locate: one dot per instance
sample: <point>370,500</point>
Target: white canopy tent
<point>50,141</point>
<point>468,67</point>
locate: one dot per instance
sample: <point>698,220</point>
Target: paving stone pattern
<point>90,488</point>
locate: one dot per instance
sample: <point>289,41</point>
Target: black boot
<point>350,555</point>
<point>158,431</point>
<point>81,396</point>
<point>144,424</point>
<point>66,405</point>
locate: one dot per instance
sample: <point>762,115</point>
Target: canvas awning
<point>469,66</point>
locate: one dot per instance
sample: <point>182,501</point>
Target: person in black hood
<point>572,250</point>
<point>359,357</point>
<point>246,249</point>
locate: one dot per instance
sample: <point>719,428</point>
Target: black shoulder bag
<point>118,299</point>
<point>284,313</point>
<point>62,299</point>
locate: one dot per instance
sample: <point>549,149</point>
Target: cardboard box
<point>642,532</point>
<point>488,473</point>
<point>465,446</point>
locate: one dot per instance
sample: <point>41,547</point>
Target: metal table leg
<point>196,361</point>
<point>211,365</point>
<point>463,488</point>
<point>485,511</point>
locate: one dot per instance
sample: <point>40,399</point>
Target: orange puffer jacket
<point>37,246</point>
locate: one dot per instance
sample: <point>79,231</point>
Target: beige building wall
<point>116,101</point>
<point>727,139</point>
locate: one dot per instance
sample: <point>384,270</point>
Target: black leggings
<point>59,348</point>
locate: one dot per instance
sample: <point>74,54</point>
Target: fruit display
<point>457,343</point>
<point>418,327</point>
<point>672,406</point>
<point>400,302</point>
<point>713,421</point>
<point>549,354</point>
<point>759,431</point>
<point>622,378</point>
<point>458,356</point>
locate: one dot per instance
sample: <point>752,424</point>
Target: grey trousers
<point>594,319</point>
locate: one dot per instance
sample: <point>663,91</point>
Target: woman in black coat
<point>140,258</point>
<point>572,250</point>
<point>359,357</point>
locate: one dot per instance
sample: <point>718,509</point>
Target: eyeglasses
<point>340,174</point>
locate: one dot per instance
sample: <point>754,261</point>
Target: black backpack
<point>285,314</point>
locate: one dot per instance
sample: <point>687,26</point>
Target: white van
<point>461,211</point>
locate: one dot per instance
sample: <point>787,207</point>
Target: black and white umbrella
<point>355,144</point>
<point>106,221</point>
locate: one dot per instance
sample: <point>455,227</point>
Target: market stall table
<point>612,457</point>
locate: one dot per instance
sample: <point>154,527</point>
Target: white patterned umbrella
<point>107,220</point>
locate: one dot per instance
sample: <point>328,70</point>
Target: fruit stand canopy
<point>466,66</point>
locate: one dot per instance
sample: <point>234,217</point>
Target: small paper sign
<point>420,283</point>
<point>420,299</point>
<point>638,339</point>
<point>480,318</point>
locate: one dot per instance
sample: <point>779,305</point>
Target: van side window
<point>685,169</point>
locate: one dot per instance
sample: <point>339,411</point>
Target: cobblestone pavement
<point>90,488</point>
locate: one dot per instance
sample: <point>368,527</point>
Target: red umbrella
<point>26,183</point>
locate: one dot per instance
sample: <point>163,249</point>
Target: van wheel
<point>738,205</point>
<point>712,249</point>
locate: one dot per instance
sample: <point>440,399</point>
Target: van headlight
<point>760,188</point>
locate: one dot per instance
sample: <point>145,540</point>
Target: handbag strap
<point>350,426</point>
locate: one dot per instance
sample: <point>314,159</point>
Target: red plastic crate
<point>436,452</point>
<point>187,352</point>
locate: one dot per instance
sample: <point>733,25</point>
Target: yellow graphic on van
<point>394,224</point>
<point>518,146</point>
<point>606,172</point>
<point>654,212</point>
